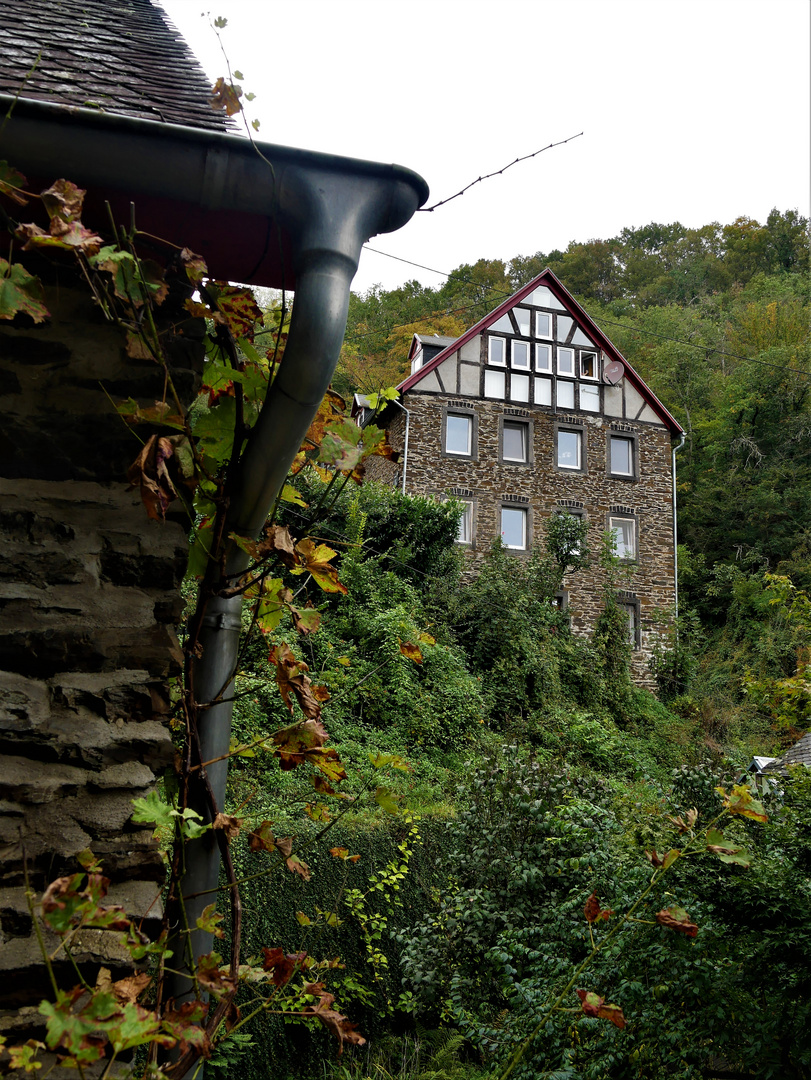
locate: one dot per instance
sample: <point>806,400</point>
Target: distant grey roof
<point>118,56</point>
<point>799,754</point>
<point>435,339</point>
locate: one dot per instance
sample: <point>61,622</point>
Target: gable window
<point>464,534</point>
<point>522,317</point>
<point>514,527</point>
<point>520,355</point>
<point>569,449</point>
<point>566,362</point>
<point>519,387</point>
<point>494,384</point>
<point>588,365</point>
<point>589,397</point>
<point>623,531</point>
<point>621,455</point>
<point>543,324</point>
<point>515,441</point>
<point>543,357</point>
<point>497,351</point>
<point>459,435</point>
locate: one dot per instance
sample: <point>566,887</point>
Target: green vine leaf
<point>21,293</point>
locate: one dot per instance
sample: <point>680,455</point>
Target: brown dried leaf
<point>225,95</point>
<point>593,911</point>
<point>334,1022</point>
<point>411,652</point>
<point>676,918</point>
<point>229,825</point>
<point>593,1005</point>
<point>127,990</point>
<point>150,473</point>
<point>282,965</point>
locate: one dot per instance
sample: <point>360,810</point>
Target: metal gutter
<point>286,218</point>
<point>676,535</point>
<point>405,441</point>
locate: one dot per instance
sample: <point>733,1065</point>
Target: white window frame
<point>559,384</point>
<point>544,315</point>
<point>465,520</point>
<point>519,380</point>
<point>538,380</point>
<point>522,510</point>
<point>579,435</point>
<point>632,444</point>
<point>589,389</point>
<point>516,347</point>
<point>528,315</point>
<point>540,349</point>
<point>570,372</point>
<point>523,426</point>
<point>503,342</point>
<point>596,355</point>
<point>500,396</point>
<point>469,419</point>
<point>625,519</point>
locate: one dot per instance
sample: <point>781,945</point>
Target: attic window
<point>543,357</point>
<point>520,355</point>
<point>496,351</point>
<point>543,324</point>
<point>522,317</point>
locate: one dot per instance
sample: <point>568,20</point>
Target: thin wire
<point>708,349</point>
<point>498,172</point>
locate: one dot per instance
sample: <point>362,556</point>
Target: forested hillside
<point>560,879</point>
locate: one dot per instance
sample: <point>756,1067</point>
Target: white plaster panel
<point>633,401</point>
<point>612,400</point>
<point>430,383</point>
<point>469,380</point>
<point>472,350</point>
<point>649,415</point>
<point>447,373</point>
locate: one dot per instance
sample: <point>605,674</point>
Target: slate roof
<point>117,56</point>
<point>799,754</point>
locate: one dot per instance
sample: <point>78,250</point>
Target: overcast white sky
<point>692,110</point>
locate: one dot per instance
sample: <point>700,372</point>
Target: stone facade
<point>89,597</point>
<point>505,459</point>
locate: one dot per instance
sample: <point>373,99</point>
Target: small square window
<point>543,391</point>
<point>589,397</point>
<point>543,358</point>
<point>458,435</point>
<point>623,530</point>
<point>515,441</point>
<point>520,355</point>
<point>588,365</point>
<point>565,394</point>
<point>621,456</point>
<point>497,351</point>
<point>514,527</point>
<point>543,324</point>
<point>570,449</point>
<point>566,362</point>
<point>522,317</point>
<point>464,534</point>
<point>519,387</point>
<point>494,384</point>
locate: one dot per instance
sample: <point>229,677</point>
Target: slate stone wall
<point>489,482</point>
<point>89,597</point>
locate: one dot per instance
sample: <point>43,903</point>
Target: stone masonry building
<point>532,412</point>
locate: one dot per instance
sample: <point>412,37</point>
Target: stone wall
<point>89,596</point>
<point>490,482</point>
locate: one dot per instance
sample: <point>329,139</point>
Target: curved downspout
<point>334,227</point>
<point>405,442</point>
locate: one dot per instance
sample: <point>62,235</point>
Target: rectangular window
<point>566,362</point>
<point>623,530</point>
<point>520,355</point>
<point>514,527</point>
<point>588,365</point>
<point>543,324</point>
<point>578,514</point>
<point>565,394</point>
<point>589,397</point>
<point>519,387</point>
<point>570,447</point>
<point>632,612</point>
<point>465,532</point>
<point>458,435</point>
<point>496,351</point>
<point>543,391</point>
<point>515,441</point>
<point>522,317</point>
<point>543,358</point>
<point>621,456</point>
<point>494,384</point>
